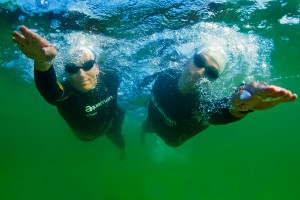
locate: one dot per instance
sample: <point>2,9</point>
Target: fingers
<point>281,92</point>
<point>262,90</point>
<point>265,96</point>
<point>19,39</point>
<point>289,96</point>
<point>276,95</point>
<point>30,35</point>
<point>294,97</point>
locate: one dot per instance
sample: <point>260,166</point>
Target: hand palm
<point>34,46</point>
<point>263,96</point>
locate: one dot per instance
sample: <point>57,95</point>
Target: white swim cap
<point>218,54</point>
<point>87,52</point>
<point>75,54</point>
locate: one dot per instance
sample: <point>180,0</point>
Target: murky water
<point>256,158</point>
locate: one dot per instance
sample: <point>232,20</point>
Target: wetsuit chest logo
<point>92,108</point>
<point>166,120</point>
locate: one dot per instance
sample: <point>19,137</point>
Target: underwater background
<point>256,158</point>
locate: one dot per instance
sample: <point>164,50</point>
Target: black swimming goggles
<point>211,72</point>
<point>71,68</point>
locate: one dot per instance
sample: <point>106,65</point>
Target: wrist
<point>42,65</point>
<point>232,107</point>
<point>237,104</point>
<point>236,112</point>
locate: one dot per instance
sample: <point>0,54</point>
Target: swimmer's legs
<point>146,128</point>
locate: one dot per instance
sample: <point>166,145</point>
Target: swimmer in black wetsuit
<point>179,110</point>
<point>87,99</point>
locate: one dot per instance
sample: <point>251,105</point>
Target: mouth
<point>83,82</point>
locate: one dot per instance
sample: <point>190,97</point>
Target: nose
<point>81,73</point>
<point>201,72</point>
<point>196,76</point>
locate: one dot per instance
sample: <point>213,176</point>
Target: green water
<point>256,158</point>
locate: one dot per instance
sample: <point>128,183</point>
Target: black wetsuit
<point>91,114</point>
<point>176,117</point>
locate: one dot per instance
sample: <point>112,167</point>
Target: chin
<point>85,88</point>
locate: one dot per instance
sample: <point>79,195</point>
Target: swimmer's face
<point>83,75</point>
<point>198,68</point>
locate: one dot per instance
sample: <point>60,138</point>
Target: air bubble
<point>55,24</point>
<point>285,38</point>
<point>22,18</point>
<point>28,8</point>
<point>287,19</point>
<point>43,4</point>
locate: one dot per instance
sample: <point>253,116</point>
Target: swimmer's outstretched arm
<point>35,47</point>
<point>258,96</point>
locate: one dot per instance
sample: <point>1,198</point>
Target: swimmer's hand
<point>35,47</point>
<point>259,96</point>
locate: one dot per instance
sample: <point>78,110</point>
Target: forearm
<point>221,113</point>
<point>47,84</point>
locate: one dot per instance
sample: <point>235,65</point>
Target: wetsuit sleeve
<point>220,113</point>
<point>47,85</point>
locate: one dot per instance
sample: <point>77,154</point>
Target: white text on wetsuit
<point>94,107</point>
<point>167,120</point>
